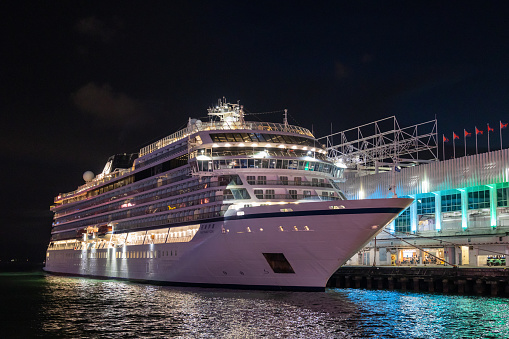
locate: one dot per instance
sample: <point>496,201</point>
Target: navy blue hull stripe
<point>317,212</point>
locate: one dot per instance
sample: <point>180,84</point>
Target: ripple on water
<point>87,308</point>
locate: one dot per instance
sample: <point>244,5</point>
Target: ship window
<point>284,180</point>
<point>269,194</point>
<point>258,194</point>
<point>293,194</point>
<point>278,263</point>
<point>246,137</point>
<point>297,181</point>
<point>262,180</point>
<point>293,164</point>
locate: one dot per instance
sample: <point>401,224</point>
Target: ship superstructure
<point>226,202</point>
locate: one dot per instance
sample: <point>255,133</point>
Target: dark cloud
<point>96,28</point>
<point>105,104</point>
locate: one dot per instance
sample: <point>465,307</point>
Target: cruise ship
<point>225,203</point>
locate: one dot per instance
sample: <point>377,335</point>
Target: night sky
<point>83,80</point>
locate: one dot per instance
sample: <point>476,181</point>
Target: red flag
<point>503,125</point>
<point>478,131</point>
<point>467,134</point>
<point>490,129</point>
<point>445,139</point>
<point>454,136</point>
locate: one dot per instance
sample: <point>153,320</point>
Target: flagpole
<point>465,140</point>
<point>476,140</point>
<point>443,147</point>
<point>453,146</point>
<point>488,137</point>
<point>500,126</point>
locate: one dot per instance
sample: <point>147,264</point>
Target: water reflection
<point>50,306</point>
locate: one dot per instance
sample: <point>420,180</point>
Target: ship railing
<point>169,221</point>
<point>100,179</point>
<point>222,125</point>
<point>288,183</point>
<point>190,188</point>
<point>286,197</point>
<point>144,210</point>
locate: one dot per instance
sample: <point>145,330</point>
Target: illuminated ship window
<point>248,229</point>
<point>295,228</point>
<point>261,230</point>
<point>281,228</point>
<point>286,210</point>
<point>306,228</point>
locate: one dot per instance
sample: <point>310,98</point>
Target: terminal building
<point>460,214</point>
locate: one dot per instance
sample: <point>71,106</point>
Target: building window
<point>284,180</point>
<point>426,205</point>
<point>293,194</point>
<point>503,197</point>
<point>402,223</point>
<point>451,202</point>
<point>478,200</point>
<point>297,181</point>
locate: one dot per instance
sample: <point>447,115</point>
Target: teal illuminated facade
<point>460,213</point>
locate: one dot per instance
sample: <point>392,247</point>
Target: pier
<point>447,280</point>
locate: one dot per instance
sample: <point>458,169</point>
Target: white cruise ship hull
<point>290,246</point>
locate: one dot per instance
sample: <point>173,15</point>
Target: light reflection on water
<point>50,306</point>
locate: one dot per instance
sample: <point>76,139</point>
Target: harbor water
<point>40,305</point>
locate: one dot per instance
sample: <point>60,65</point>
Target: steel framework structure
<point>383,143</point>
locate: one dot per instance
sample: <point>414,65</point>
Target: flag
<point>478,131</point>
<point>466,133</point>
<point>445,139</point>
<point>503,125</point>
<point>490,129</point>
<point>454,136</point>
